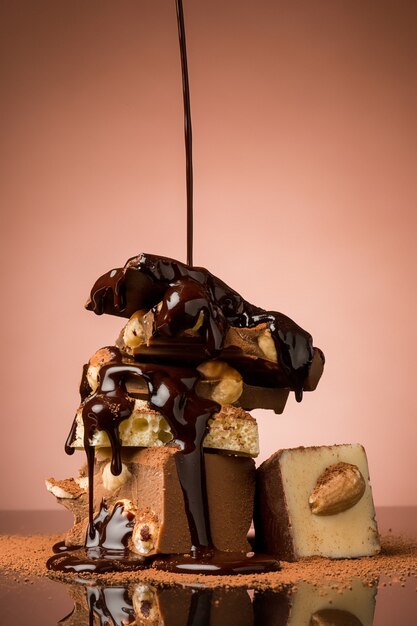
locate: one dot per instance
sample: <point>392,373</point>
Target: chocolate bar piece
<point>316,501</point>
<point>149,481</point>
<point>252,351</point>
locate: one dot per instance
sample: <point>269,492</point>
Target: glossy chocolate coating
<point>147,279</point>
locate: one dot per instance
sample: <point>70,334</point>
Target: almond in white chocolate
<point>340,487</point>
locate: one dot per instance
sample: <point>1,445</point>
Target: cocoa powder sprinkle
<point>27,555</point>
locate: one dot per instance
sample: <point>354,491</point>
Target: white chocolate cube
<point>285,524</point>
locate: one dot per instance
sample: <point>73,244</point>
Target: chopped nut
<point>96,362</point>
<point>134,334</point>
<point>112,482</point>
<point>220,382</point>
<point>145,533</point>
<point>267,345</point>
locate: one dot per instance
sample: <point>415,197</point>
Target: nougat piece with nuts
<point>316,501</point>
<point>231,430</point>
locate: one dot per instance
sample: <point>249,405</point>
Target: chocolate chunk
<point>150,482</point>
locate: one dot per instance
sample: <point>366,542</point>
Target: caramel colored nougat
<point>316,501</point>
<point>231,430</point>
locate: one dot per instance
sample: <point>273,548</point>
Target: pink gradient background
<point>304,119</point>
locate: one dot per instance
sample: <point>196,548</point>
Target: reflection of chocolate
<point>105,606</point>
<point>334,604</point>
<point>334,617</point>
<point>199,606</point>
<point>145,605</point>
<point>271,608</point>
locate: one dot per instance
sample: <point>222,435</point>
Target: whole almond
<point>338,489</point>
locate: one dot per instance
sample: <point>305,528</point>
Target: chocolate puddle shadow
<point>347,603</point>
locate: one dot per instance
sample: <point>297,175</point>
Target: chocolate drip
<point>85,388</point>
<point>114,283</point>
<point>187,304</point>
<point>95,561</point>
<point>160,278</point>
<point>106,546</point>
<point>111,530</point>
<point>172,393</point>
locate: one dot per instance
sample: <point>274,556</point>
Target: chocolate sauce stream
<point>187,129</point>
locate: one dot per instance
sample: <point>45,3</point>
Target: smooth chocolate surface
<point>152,485</point>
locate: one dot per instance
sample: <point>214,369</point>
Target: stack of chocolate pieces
<point>169,442</point>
